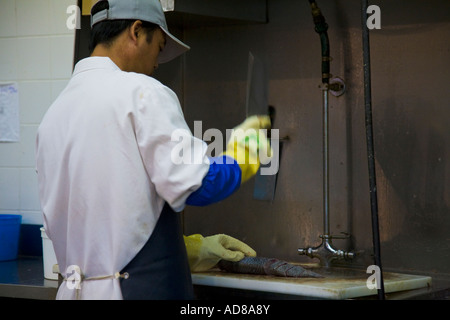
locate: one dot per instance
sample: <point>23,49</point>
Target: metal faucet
<point>325,252</point>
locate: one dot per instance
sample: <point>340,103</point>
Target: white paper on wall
<point>9,112</point>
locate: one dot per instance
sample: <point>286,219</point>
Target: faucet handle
<point>344,235</point>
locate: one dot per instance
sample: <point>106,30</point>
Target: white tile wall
<point>34,97</point>
<point>33,17</point>
<point>8,26</point>
<point>34,56</point>
<point>61,47</point>
<point>36,50</point>
<point>8,58</point>
<point>10,188</point>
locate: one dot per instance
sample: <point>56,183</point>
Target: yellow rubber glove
<point>205,252</point>
<point>248,144</point>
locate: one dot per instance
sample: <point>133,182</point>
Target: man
<point>108,186</point>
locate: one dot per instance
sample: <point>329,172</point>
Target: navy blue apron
<point>160,271</point>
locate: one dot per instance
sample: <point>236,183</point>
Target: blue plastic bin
<point>9,236</point>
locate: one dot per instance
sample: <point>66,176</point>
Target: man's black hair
<point>106,31</point>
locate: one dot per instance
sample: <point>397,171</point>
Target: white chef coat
<point>103,158</point>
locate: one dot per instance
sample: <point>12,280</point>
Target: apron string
<point>79,278</point>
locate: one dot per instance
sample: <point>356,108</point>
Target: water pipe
<point>325,252</point>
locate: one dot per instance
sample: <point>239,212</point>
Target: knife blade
<point>257,104</point>
<point>256,87</point>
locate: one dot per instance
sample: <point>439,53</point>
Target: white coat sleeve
<point>174,159</point>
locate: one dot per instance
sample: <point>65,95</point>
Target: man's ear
<point>136,30</point>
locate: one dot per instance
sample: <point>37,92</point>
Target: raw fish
<point>267,266</point>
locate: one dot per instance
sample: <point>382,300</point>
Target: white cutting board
<point>339,283</point>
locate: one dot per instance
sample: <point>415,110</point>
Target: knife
<point>257,104</point>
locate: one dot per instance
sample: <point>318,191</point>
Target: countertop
<point>24,278</point>
<point>338,283</point>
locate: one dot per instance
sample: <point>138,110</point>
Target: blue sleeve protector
<point>222,179</point>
